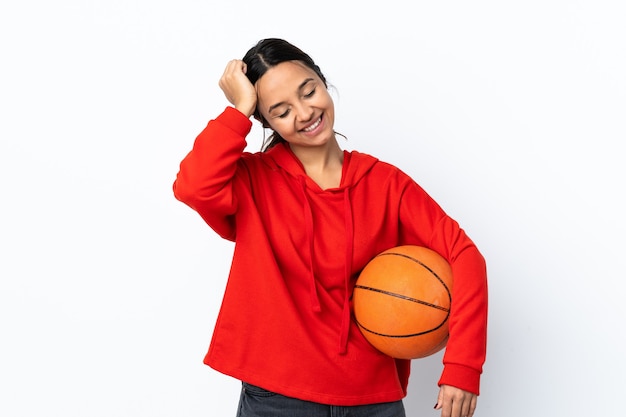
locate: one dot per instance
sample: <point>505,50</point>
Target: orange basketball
<point>402,301</point>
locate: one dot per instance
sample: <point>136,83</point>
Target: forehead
<point>284,78</point>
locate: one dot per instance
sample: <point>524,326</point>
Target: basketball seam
<point>404,297</point>
<point>422,264</point>
<point>401,336</point>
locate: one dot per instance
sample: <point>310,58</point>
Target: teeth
<point>314,125</point>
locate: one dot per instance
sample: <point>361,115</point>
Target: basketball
<point>402,301</point>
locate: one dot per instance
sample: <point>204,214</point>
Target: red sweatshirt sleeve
<point>465,351</point>
<point>205,179</point>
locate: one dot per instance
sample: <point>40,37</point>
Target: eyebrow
<point>300,87</point>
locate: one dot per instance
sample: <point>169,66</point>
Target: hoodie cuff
<point>462,377</point>
<point>235,121</point>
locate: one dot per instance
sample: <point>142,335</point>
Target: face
<point>296,104</point>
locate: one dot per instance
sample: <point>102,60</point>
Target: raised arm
<point>205,179</point>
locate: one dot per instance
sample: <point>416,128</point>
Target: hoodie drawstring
<point>345,315</point>
<point>308,224</point>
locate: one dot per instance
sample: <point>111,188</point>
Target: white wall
<point>511,114</point>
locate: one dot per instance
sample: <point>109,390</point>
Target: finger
<point>229,66</point>
<point>467,404</point>
<point>457,408</point>
<point>472,408</point>
<point>447,405</point>
<point>231,72</point>
<point>439,402</point>
<point>463,400</point>
<point>232,67</point>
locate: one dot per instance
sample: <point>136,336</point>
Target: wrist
<point>246,108</point>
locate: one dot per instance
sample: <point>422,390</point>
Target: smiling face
<point>296,104</point>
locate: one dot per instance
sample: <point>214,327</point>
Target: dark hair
<point>266,54</point>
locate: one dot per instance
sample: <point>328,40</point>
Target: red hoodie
<point>285,320</point>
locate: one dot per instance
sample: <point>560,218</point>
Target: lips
<point>313,126</point>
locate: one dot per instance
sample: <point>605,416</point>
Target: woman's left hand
<point>454,402</point>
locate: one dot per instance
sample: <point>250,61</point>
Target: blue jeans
<point>258,402</point>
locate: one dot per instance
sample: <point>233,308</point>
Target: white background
<point>511,114</point>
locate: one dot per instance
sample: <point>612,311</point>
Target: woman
<point>306,217</point>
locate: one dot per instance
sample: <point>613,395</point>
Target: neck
<point>319,157</point>
<point>323,164</point>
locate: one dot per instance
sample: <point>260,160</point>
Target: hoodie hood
<point>355,166</point>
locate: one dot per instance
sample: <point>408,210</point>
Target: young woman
<point>306,217</point>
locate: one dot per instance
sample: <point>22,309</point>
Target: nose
<point>304,113</point>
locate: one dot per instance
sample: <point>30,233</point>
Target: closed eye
<point>308,82</point>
